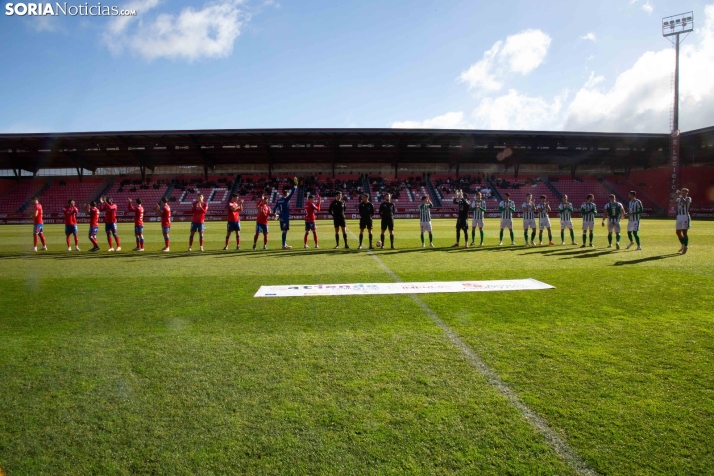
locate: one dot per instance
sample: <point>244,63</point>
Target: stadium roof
<point>208,148</point>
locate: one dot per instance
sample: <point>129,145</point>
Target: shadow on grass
<point>644,260</point>
<point>589,254</point>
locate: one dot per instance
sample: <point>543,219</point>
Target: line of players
<point>613,212</point>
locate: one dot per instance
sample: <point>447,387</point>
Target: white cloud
<point>192,34</point>
<point>641,97</point>
<point>648,7</point>
<point>520,53</point>
<point>589,36</point>
<point>450,120</point>
<point>515,111</point>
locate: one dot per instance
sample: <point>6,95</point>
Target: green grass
<point>165,363</point>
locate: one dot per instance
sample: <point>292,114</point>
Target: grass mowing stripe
<point>559,445</point>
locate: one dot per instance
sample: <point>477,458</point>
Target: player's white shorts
<point>633,225</point>
<point>506,223</point>
<point>566,224</point>
<point>613,227</point>
<point>476,223</point>
<point>683,223</point>
<point>425,226</point>
<point>588,225</point>
<point>543,224</point>
<point>529,223</point>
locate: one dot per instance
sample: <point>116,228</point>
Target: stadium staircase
<point>365,185</point>
<point>105,190</point>
<point>236,185</point>
<point>552,188</point>
<point>433,192</point>
<point>300,201</point>
<point>168,191</point>
<point>494,190</point>
<point>612,190</point>
<point>39,193</point>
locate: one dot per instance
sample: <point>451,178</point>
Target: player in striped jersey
<point>613,211</point>
<point>565,210</point>
<point>529,210</point>
<point>543,209</point>
<point>684,202</point>
<point>588,210</point>
<point>425,220</point>
<point>634,210</point>
<point>479,208</point>
<point>507,208</point>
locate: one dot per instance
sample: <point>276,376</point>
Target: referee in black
<point>337,210</point>
<point>387,212</point>
<point>462,222</point>
<point>366,212</point>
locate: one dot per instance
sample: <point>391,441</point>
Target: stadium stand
<point>446,185</point>
<point>55,198</point>
<point>18,195</point>
<point>653,182</point>
<point>518,188</point>
<point>216,191</point>
<point>622,188</point>
<point>700,182</point>
<point>577,189</point>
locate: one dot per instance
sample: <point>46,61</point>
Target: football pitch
<point>165,363</point>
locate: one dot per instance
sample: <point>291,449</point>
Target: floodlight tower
<point>672,29</point>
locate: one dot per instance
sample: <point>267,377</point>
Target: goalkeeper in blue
<point>282,211</point>
<point>634,211</point>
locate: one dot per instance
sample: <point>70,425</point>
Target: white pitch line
<point>559,445</point>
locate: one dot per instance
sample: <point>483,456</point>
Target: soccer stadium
<point>428,298</point>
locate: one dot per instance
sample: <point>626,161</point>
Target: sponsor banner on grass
<point>300,290</point>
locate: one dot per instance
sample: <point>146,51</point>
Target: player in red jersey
<point>93,212</point>
<point>138,223</point>
<point>234,208</point>
<point>36,215</point>
<point>70,224</point>
<point>261,222</point>
<point>198,209</point>
<point>311,209</point>
<point>165,211</point>
<point>110,221</point>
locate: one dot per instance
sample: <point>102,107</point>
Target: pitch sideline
<point>559,445</point>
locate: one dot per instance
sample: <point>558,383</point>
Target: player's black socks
<point>337,239</point>
<point>458,236</point>
<point>391,240</point>
<point>370,240</point>
<point>361,236</point>
<point>344,236</point>
<point>381,238</point>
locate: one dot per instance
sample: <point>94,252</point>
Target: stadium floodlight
<point>677,24</point>
<point>672,29</point>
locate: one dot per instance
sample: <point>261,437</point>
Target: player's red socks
<point>109,239</point>
<point>314,235</point>
<point>265,239</point>
<point>117,238</point>
<point>680,240</point>
<point>42,239</point>
<point>67,241</point>
<point>94,241</point>
<point>237,240</point>
<point>167,242</point>
<point>76,240</point>
<point>228,238</point>
<point>190,241</point>
<point>255,238</point>
<point>304,241</point>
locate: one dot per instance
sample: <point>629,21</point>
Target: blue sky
<point>227,64</point>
